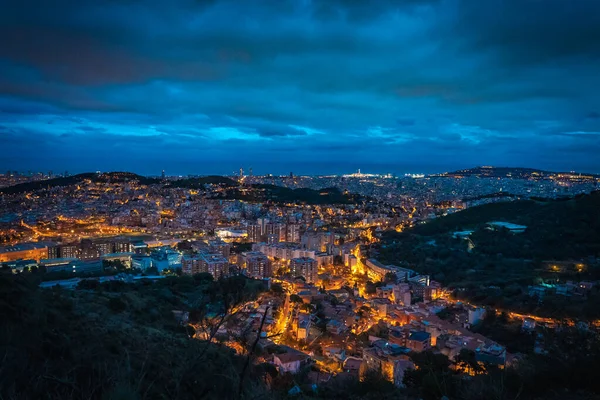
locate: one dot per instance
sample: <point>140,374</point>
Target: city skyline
<point>340,171</point>
<point>308,86</point>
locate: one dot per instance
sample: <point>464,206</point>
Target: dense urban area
<point>475,284</point>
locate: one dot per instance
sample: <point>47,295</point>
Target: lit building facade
<point>256,264</point>
<point>304,266</point>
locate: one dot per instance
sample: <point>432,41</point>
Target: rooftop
<point>420,336</point>
<point>291,355</point>
<point>23,247</point>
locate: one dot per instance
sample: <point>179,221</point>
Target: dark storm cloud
<point>406,121</point>
<point>358,10</point>
<point>91,129</point>
<point>142,82</point>
<point>593,115</point>
<point>277,133</point>
<point>532,31</point>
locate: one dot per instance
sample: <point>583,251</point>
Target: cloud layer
<point>200,86</point>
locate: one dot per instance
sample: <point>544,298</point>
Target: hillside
<point>225,188</point>
<point>111,341</point>
<point>504,172</point>
<point>279,194</point>
<point>198,183</point>
<point>556,230</point>
<point>559,229</point>
<point>76,179</point>
<point>495,172</point>
<point>511,211</point>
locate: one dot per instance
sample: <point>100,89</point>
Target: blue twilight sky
<point>310,86</point>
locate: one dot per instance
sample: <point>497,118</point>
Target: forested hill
<point>115,177</point>
<point>115,341</point>
<point>556,229</point>
<point>506,172</point>
<point>578,213</point>
<point>218,186</point>
<point>199,182</point>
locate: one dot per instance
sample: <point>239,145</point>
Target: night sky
<point>321,86</point>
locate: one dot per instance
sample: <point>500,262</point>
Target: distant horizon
<point>374,169</point>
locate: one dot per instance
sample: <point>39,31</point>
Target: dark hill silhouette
<point>76,179</point>
<point>556,229</point>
